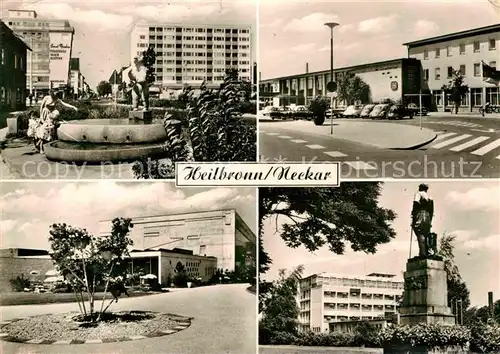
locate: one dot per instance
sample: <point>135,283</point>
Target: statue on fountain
<point>422,214</point>
<point>135,78</point>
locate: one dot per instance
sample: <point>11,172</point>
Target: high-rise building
<point>325,298</point>
<point>222,234</point>
<point>191,54</point>
<point>51,41</point>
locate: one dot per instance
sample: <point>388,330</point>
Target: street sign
<point>331,86</point>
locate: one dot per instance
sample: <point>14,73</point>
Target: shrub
<point>180,280</point>
<point>318,107</point>
<point>432,336</point>
<point>485,338</point>
<point>19,283</point>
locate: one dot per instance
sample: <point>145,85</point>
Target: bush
<point>432,336</point>
<point>180,280</point>
<point>318,107</point>
<point>19,283</point>
<point>248,107</point>
<point>485,338</point>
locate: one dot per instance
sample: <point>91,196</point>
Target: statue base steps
<point>142,115</point>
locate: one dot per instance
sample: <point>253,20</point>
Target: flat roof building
<point>48,65</point>
<point>329,298</point>
<point>221,234</point>
<point>189,54</point>
<point>463,51</point>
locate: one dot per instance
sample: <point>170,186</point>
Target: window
<point>438,52</point>
<point>450,72</point>
<point>493,64</point>
<point>476,46</point>
<point>448,50</point>
<point>437,73</point>
<point>426,54</point>
<point>462,70</point>
<point>462,49</point>
<point>2,59</point>
<point>492,44</point>
<point>477,69</point>
<point>477,97</point>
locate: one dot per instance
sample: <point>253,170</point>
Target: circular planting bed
<point>68,328</point>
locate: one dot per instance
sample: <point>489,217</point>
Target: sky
<point>29,208</point>
<point>466,209</point>
<point>102,28</point>
<point>294,34</point>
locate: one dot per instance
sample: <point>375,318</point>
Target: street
<point>465,147</point>
<point>224,318</point>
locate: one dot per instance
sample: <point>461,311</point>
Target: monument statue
<point>135,78</point>
<point>422,214</point>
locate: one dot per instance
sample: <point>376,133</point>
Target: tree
<point>329,216</point>
<point>279,306</point>
<point>457,289</point>
<point>149,60</point>
<point>104,88</point>
<point>351,89</point>
<point>456,88</point>
<point>180,277</point>
<point>87,262</point>
<point>318,107</point>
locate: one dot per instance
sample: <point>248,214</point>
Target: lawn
<point>12,299</point>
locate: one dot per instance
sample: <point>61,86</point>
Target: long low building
<point>396,79</point>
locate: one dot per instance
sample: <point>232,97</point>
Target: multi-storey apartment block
<point>51,41</point>
<point>192,54</point>
<point>325,298</point>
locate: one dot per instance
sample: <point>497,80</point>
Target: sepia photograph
<point>109,267</point>
<point>390,88</point>
<point>371,267</point>
<point>123,90</point>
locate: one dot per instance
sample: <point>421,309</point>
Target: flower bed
<point>69,327</point>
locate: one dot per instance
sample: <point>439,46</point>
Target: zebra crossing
<point>475,145</point>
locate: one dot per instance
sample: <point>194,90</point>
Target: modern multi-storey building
<point>51,41</point>
<point>13,54</point>
<point>193,54</point>
<point>327,298</point>
<point>222,234</point>
<point>463,51</point>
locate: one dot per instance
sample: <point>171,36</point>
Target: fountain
<point>113,140</point>
<point>103,140</point>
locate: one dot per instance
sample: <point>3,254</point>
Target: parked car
<point>302,112</point>
<point>286,112</point>
<point>416,109</point>
<point>365,112</point>
<point>352,111</point>
<point>267,110</point>
<point>275,113</point>
<point>379,111</point>
<point>399,111</point>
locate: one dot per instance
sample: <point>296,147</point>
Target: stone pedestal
<point>12,126</point>
<point>142,115</point>
<point>425,294</point>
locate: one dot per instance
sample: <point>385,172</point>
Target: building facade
<point>51,40</point>
<point>221,234</point>
<point>192,54</point>
<point>163,263</point>
<point>329,298</point>
<point>396,80</point>
<point>13,57</point>
<point>463,51</point>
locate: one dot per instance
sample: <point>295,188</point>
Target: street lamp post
<point>332,85</point>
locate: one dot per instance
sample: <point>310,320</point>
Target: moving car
<point>379,111</point>
<point>413,107</point>
<point>352,111</point>
<point>399,111</point>
<point>365,112</point>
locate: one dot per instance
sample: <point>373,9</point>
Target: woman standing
<point>49,113</point>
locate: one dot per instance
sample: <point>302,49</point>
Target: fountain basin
<point>100,153</point>
<point>112,131</point>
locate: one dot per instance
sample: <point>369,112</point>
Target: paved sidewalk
<point>464,114</point>
<point>293,349</point>
<point>382,135</point>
